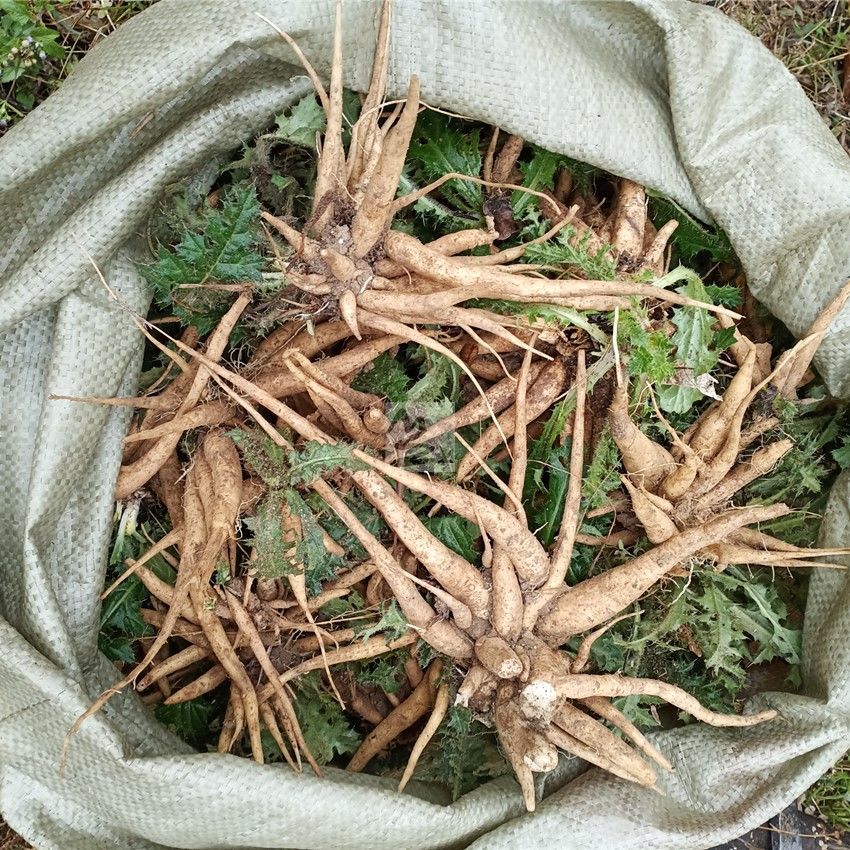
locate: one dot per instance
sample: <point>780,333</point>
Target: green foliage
<point>799,478</point>
<point>385,671</point>
<point>310,552</point>
<point>841,455</point>
<point>278,553</point>
<point>547,508</point>
<point>830,796</point>
<point>41,42</point>
<point>221,251</point>
<point>275,552</point>
<point>299,124</point>
<point>262,455</point>
<point>436,216</point>
<point>385,377</point>
<point>463,754</point>
<point>735,618</point>
<point>560,251</point>
<point>537,174</point>
<point>697,351</point>
<point>440,379</point>
<point>727,295</point>
<point>327,729</point>
<point>602,474</point>
<point>193,720</point>
<point>370,518</point>
<point>692,239</point>
<point>441,145</point>
<point>316,459</point>
<point>121,622</point>
<point>650,351</point>
<point>459,534</point>
<point>723,338</point>
<point>29,42</point>
<point>392,624</point>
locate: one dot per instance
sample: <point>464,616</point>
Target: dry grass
<point>9,840</point>
<point>812,37</point>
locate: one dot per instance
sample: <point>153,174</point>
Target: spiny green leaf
<point>392,624</point>
<point>316,459</point>
<point>327,729</point>
<point>723,339</point>
<point>275,551</point>
<point>462,755</point>
<point>650,351</point>
<point>300,123</point>
<point>318,564</point>
<point>549,490</point>
<point>441,379</point>
<point>560,251</point>
<point>223,251</point>
<point>385,671</point>
<point>691,237</point>
<point>602,475</point>
<point>441,145</point>
<point>459,534</point>
<point>727,295</point>
<point>385,377</point>
<point>191,720</point>
<point>351,604</point>
<point>694,353</point>
<point>262,455</point>
<point>538,174</point>
<point>432,211</point>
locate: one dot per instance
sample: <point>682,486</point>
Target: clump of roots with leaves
<point>456,464</point>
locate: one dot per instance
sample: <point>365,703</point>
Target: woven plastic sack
<point>667,93</point>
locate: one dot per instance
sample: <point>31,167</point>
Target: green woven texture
<point>667,93</point>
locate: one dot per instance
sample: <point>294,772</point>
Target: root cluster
<point>498,628</point>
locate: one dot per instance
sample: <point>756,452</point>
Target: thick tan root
<point>597,599</point>
<point>644,459</point>
<point>438,713</point>
<point>399,719</point>
<point>582,685</point>
<point>496,655</point>
<point>607,711</point>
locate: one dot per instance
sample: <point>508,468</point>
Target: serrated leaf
<point>385,671</point>
<point>121,610</point>
<point>694,353</point>
<point>723,339</point>
<point>318,564</point>
<point>841,455</point>
<point>560,251</point>
<point>316,459</point>
<point>462,755</point>
<point>191,720</point>
<point>275,551</point>
<point>222,251</point>
<point>392,624</point>
<point>691,237</point>
<point>459,534</point>
<point>327,730</point>
<point>538,174</point>
<point>385,377</point>
<point>602,475</point>
<point>441,145</point>
<point>301,122</point>
<point>727,295</point>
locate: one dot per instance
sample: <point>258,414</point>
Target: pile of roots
<point>499,628</point>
